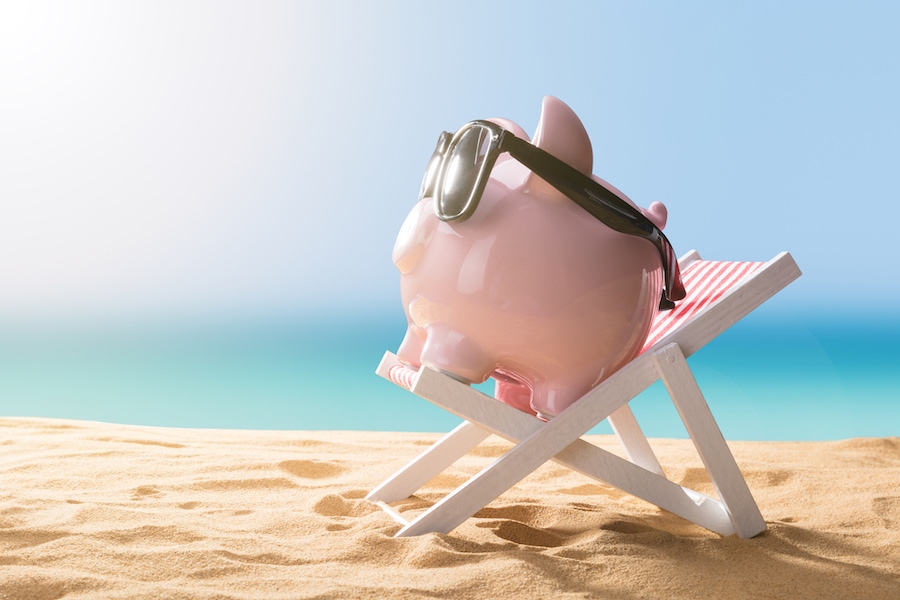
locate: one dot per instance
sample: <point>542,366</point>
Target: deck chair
<point>719,294</point>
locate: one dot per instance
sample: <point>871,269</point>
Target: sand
<point>92,510</point>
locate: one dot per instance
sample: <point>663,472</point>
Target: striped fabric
<point>402,375</point>
<point>705,281</point>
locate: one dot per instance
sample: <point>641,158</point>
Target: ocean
<point>770,377</point>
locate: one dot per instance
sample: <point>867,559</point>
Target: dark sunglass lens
<point>463,168</point>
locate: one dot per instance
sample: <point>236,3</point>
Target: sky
<point>258,158</point>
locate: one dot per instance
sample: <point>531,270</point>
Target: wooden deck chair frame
<point>559,439</point>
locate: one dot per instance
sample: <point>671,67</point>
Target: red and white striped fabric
<point>705,281</point>
<point>402,375</point>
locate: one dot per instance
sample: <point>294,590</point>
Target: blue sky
<point>249,158</point>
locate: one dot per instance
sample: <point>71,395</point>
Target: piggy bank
<point>529,288</point>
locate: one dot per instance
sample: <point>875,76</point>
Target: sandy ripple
<point>90,510</point>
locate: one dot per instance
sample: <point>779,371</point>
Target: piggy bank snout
<point>414,237</point>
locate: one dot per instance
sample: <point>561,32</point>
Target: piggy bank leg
<point>454,354</point>
<point>410,349</point>
<point>510,391</point>
<point>552,397</point>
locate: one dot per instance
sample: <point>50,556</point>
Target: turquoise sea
<point>770,377</point>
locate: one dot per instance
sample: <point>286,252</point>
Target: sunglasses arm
<point>581,189</point>
<point>600,202</point>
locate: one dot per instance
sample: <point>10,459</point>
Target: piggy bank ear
<point>561,133</point>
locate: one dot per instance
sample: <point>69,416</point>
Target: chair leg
<point>430,463</point>
<point>707,437</point>
<point>633,440</point>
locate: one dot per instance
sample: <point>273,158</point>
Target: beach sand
<point>92,510</point>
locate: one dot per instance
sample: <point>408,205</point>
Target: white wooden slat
<point>711,446</point>
<point>633,440</point>
<point>387,361</point>
<point>689,257</point>
<point>430,463</point>
<point>392,513</point>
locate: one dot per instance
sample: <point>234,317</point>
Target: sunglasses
<point>461,165</point>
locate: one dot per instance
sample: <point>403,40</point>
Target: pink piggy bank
<point>518,264</point>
